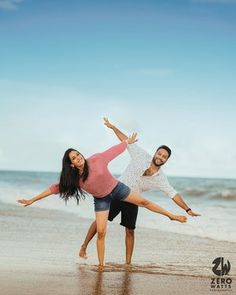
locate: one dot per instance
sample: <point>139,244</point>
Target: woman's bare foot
<point>82,252</point>
<point>101,268</point>
<point>179,218</point>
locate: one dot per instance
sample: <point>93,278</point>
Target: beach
<point>39,255</point>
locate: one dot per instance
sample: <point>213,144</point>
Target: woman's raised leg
<point>136,199</point>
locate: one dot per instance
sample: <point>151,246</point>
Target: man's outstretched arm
<point>180,202</point>
<point>167,189</point>
<point>117,132</point>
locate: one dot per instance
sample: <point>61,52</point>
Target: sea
<point>214,199</point>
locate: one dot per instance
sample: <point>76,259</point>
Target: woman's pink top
<point>100,182</point>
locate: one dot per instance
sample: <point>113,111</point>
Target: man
<point>144,173</point>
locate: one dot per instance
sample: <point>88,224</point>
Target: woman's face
<point>77,160</point>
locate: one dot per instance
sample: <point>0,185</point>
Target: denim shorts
<point>119,193</point>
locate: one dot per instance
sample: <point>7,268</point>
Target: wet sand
<point>39,255</point>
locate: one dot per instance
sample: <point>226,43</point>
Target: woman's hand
<point>132,138</point>
<point>25,202</point>
<point>43,195</point>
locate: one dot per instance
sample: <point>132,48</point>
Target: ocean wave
<point>230,195</point>
<point>195,192</point>
<point>227,195</point>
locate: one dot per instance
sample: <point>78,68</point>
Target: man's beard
<point>156,164</point>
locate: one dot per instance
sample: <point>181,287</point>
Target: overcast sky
<point>165,69</point>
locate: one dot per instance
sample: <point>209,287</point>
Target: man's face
<point>160,158</point>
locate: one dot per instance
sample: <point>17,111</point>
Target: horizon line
<point>116,174</point>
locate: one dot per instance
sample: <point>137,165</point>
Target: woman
<point>91,175</point>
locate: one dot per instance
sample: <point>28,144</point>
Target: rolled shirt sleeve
<point>54,188</point>
<point>164,186</point>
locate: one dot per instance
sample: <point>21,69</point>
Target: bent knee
<point>101,235</point>
<point>130,232</point>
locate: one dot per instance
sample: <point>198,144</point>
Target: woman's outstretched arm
<point>43,195</point>
<point>117,149</point>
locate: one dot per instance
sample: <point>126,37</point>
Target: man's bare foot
<point>82,252</point>
<point>128,266</point>
<point>179,218</point>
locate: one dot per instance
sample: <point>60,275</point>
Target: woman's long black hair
<point>69,179</point>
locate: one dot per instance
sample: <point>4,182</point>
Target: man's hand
<point>132,138</point>
<point>108,124</point>
<point>25,202</point>
<point>191,213</point>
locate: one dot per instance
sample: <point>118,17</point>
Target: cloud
<point>10,4</point>
<point>215,1</point>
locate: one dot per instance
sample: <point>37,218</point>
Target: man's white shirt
<point>133,174</point>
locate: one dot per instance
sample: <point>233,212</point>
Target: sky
<point>165,69</point>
